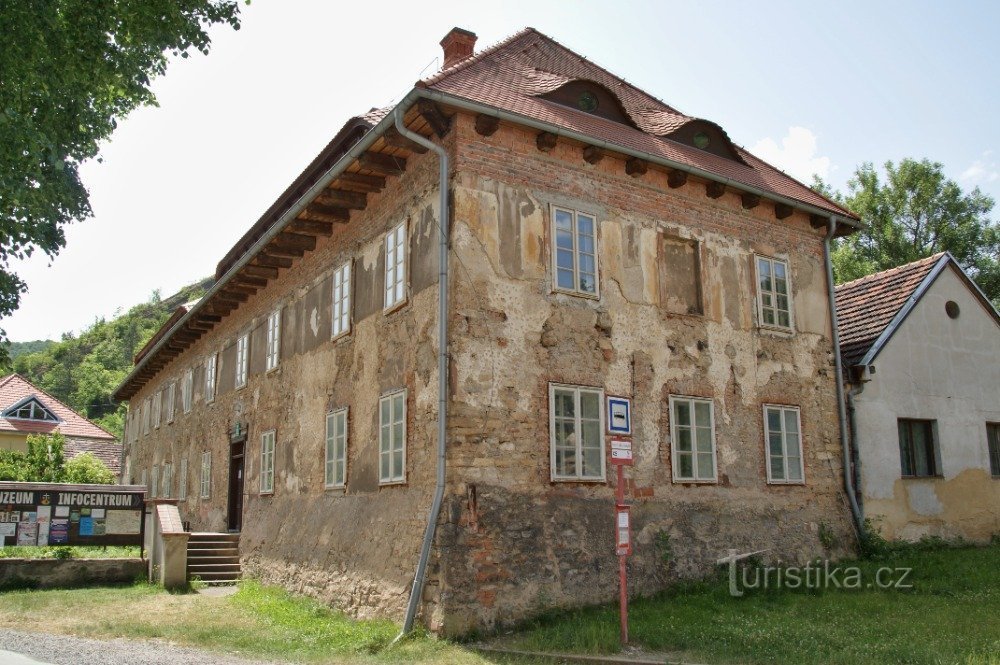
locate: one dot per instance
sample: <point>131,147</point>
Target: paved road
<point>21,648</point>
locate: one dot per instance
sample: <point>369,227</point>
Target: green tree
<point>44,459</point>
<point>86,468</point>
<point>69,71</point>
<point>914,212</point>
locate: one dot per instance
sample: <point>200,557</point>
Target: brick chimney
<point>458,45</point>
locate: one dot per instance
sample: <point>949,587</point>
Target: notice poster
<point>99,528</point>
<point>123,521</point>
<point>59,532</point>
<point>27,533</point>
<point>10,516</point>
<point>86,526</point>
<point>62,511</point>
<point>43,517</point>
<point>74,516</point>
<point>7,529</point>
<point>97,513</point>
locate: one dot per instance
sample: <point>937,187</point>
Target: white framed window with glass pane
<point>210,363</point>
<point>168,481</point>
<point>168,399</point>
<point>242,352</point>
<point>157,406</point>
<point>395,267</point>
<point>342,301</point>
<point>182,481</point>
<point>783,445</point>
<point>392,438</point>
<point>774,293</point>
<point>187,388</point>
<point>267,462</point>
<point>574,252</point>
<point>692,437</point>
<point>273,339</point>
<point>335,475</point>
<point>576,430</point>
<point>205,482</point>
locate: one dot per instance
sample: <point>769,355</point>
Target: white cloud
<point>796,155</point>
<point>982,170</point>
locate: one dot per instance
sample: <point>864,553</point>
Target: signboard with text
<point>66,514</point>
<point>621,452</point>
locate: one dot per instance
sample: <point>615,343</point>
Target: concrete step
<point>214,558</point>
<point>211,551</point>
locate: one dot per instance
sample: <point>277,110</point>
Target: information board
<point>67,514</point>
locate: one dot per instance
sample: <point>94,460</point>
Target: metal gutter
<point>442,416</point>
<point>468,105</point>
<point>300,204</point>
<point>845,443</point>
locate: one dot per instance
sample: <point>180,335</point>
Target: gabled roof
<point>871,309</point>
<point>515,78</point>
<point>16,389</point>
<point>514,74</point>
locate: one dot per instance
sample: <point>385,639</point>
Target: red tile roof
<point>866,306</point>
<point>14,388</point>
<point>511,75</point>
<point>108,452</point>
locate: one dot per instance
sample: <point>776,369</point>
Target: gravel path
<point>65,650</point>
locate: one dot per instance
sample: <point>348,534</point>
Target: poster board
<point>69,514</point>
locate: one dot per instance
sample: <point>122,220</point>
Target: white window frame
<point>157,407</point>
<point>167,482</point>
<point>784,445</point>
<point>396,265</point>
<point>205,482</point>
<point>335,450</point>
<point>675,453</point>
<point>341,318</point>
<point>575,290</point>
<point>273,340</point>
<point>242,360</point>
<point>210,377</point>
<point>389,447</point>
<point>187,390</point>
<point>771,260</point>
<point>154,481</point>
<point>182,490</point>
<point>576,390</point>
<point>267,445</point>
<point>168,408</point>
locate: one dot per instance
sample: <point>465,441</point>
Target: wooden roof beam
<point>592,154</point>
<point>234,296</point>
<point>265,272</point>
<point>272,261</point>
<point>250,281</point>
<point>546,141</point>
<point>343,198</point>
<point>311,227</point>
<point>320,213</point>
<point>714,190</point>
<point>385,165</point>
<point>487,125</point>
<point>677,178</point>
<point>782,210</point>
<point>361,183</point>
<point>636,167</point>
<point>750,201</point>
<point>394,139</point>
<point>434,116</point>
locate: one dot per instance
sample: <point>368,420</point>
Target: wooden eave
<point>337,204</point>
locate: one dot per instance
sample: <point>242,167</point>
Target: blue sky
<point>811,87</point>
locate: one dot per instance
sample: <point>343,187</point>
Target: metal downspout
<point>845,444</point>
<point>425,549</point>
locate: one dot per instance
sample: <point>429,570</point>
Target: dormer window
<point>587,101</point>
<point>590,97</point>
<point>31,409</point>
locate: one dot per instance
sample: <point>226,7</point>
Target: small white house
<point>921,350</point>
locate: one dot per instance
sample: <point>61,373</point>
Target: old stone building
<point>600,243</point>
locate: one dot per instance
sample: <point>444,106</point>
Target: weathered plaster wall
<point>934,368</point>
<point>524,543</point>
<point>355,548</point>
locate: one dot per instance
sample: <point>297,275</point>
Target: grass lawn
<point>256,622</point>
<point>951,615</point>
<point>66,552</point>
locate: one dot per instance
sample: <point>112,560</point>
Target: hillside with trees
<point>83,370</point>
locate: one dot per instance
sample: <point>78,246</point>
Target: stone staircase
<point>214,558</point>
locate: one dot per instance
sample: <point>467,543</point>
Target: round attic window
<point>587,102</point>
<point>952,309</point>
<point>701,140</point>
